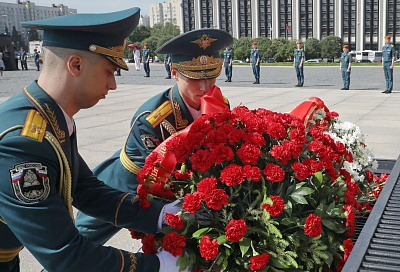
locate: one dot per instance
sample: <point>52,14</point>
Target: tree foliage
<point>313,48</point>
<point>331,47</point>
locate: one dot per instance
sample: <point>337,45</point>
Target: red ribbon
<point>211,102</point>
<point>306,110</point>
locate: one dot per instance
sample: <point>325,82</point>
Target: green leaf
<point>300,184</point>
<point>201,232</point>
<point>276,263</point>
<point>319,176</point>
<point>320,211</point>
<point>303,191</point>
<point>329,224</point>
<point>244,244</point>
<point>288,221</point>
<point>299,199</point>
<point>222,240</point>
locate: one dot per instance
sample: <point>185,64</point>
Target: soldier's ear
<point>174,73</point>
<point>74,64</point>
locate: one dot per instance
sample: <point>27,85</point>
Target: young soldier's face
<point>191,90</point>
<point>298,45</point>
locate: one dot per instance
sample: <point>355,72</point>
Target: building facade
<point>362,24</point>
<point>11,15</point>
<point>167,12</point>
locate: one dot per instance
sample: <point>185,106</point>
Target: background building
<point>362,24</point>
<point>169,12</point>
<point>11,15</point>
<point>144,20</point>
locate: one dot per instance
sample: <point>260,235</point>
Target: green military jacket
<point>41,176</point>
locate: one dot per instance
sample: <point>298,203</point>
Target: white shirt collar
<point>195,113</point>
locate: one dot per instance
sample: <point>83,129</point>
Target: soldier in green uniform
<point>167,63</point>
<point>42,174</point>
<point>345,67</point>
<point>298,61</point>
<point>228,58</point>
<point>195,65</point>
<point>146,60</point>
<point>387,64</point>
<point>255,62</point>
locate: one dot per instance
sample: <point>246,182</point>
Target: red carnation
<point>277,206</point>
<point>276,130</point>
<point>235,230</point>
<point>252,173</point>
<point>274,172</point>
<point>259,262</point>
<point>281,153</point>
<point>313,225</point>
<point>159,189</point>
<point>137,235</point>
<point>256,139</point>
<point>348,247</point>
<point>201,160</point>
<point>206,185</point>
<point>174,221</point>
<point>194,140</point>
<point>221,153</point>
<point>182,176</point>
<point>192,202</point>
<point>313,165</point>
<point>249,153</point>
<point>301,170</point>
<point>350,219</point>
<point>236,135</point>
<point>297,135</point>
<point>142,193</point>
<point>173,243</point>
<point>216,199</point>
<point>317,146</point>
<point>208,249</point>
<point>215,137</point>
<point>232,175</point>
<point>148,244</point>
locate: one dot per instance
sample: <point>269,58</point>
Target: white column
<point>255,18</point>
<point>360,21</point>
<point>197,12</point>
<point>382,23</point>
<point>275,18</point>
<point>295,19</point>
<point>235,19</point>
<point>317,19</point>
<point>216,13</point>
<point>338,18</point>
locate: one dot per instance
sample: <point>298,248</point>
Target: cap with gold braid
<point>195,54</point>
<point>99,33</point>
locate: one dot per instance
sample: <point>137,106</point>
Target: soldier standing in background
<point>387,64</point>
<point>228,58</point>
<point>255,62</point>
<point>298,61</point>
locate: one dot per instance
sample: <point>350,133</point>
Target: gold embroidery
<point>35,126</point>
<point>204,42</point>
<point>122,260</point>
<point>2,221</point>
<point>127,163</point>
<point>115,51</point>
<point>167,125</point>
<point>201,74</point>
<point>117,208</point>
<point>133,262</point>
<point>54,123</point>
<point>180,122</point>
<point>52,119</point>
<point>200,63</point>
<point>7,254</point>
<point>159,114</point>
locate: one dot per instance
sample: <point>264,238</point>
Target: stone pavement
<point>102,130</point>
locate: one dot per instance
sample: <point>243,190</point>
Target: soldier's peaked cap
<point>195,54</point>
<point>103,33</point>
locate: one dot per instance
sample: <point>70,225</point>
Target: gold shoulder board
<point>159,114</point>
<point>226,100</point>
<point>35,126</point>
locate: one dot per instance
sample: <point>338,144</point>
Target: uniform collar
<point>183,117</point>
<point>49,109</point>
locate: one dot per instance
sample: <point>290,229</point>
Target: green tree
<point>331,47</point>
<point>264,44</point>
<point>139,34</point>
<point>313,48</point>
<point>282,49</point>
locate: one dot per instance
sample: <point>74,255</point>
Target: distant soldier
<point>345,67</point>
<point>36,58</point>
<point>298,61</point>
<point>167,63</point>
<point>23,57</point>
<point>228,58</point>
<point>387,64</point>
<point>255,62</point>
<point>146,60</point>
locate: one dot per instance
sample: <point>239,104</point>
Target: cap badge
<point>203,59</point>
<point>204,42</point>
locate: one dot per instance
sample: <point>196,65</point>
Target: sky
<point>96,6</point>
